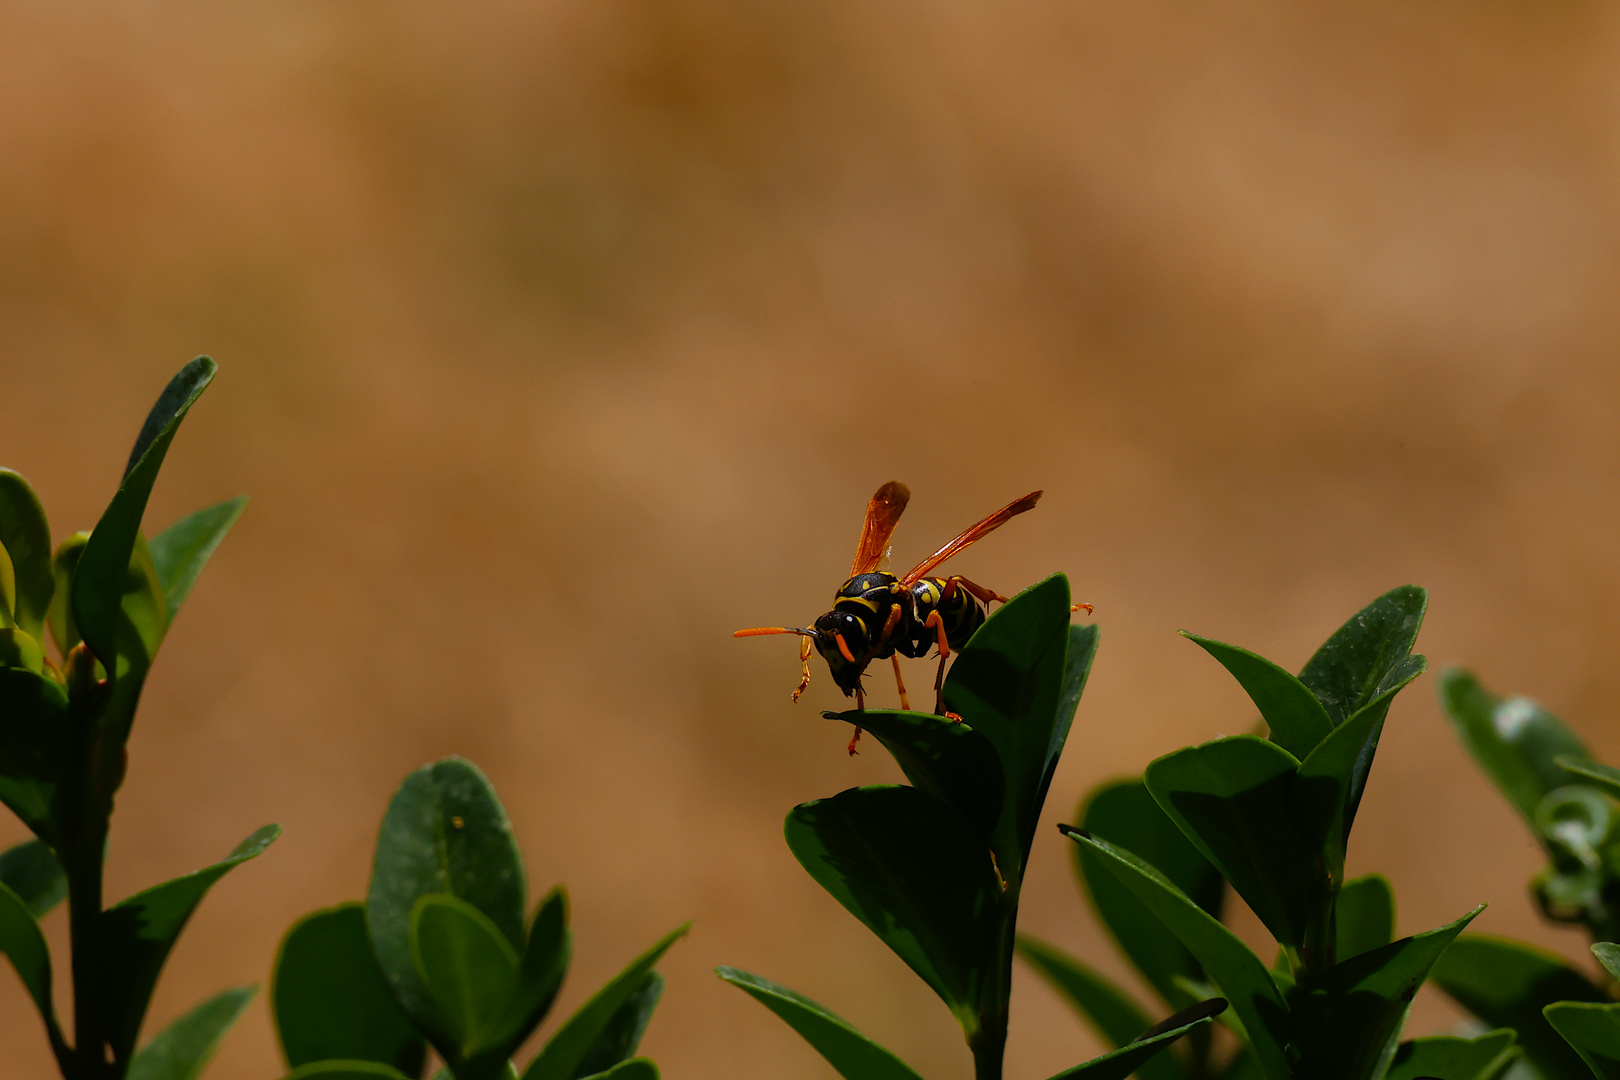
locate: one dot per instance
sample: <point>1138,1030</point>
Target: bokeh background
<point>560,339</point>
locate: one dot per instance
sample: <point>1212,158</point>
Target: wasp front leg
<point>805,648</point>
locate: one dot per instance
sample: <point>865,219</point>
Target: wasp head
<point>843,641</point>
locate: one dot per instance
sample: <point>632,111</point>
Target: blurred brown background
<point>560,339</point>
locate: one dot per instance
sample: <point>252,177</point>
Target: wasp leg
<point>804,665</point>
<point>1081,607</point>
<point>937,625</point>
<point>853,739</point>
<point>901,683</point>
<point>988,595</point>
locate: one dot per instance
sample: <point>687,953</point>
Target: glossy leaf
<point>445,832</point>
<point>1507,984</point>
<point>950,761</point>
<point>1368,654</point>
<point>59,618</point>
<point>1608,954</point>
<point>346,1070</point>
<point>329,1000</point>
<point>1017,685</point>
<point>133,938</point>
<point>915,871</point>
<point>1347,1018</point>
<point>540,972</point>
<point>1232,799</point>
<point>1240,975</point>
<point>182,1049</point>
<point>634,1069</point>
<point>618,1041</point>
<point>26,537</point>
<point>1593,1030</point>
<point>24,945</point>
<point>1296,718</point>
<point>1515,741</point>
<point>1132,1058</point>
<point>576,1040</point>
<point>101,578</point>
<point>1364,915</point>
<point>31,870</point>
<point>851,1054</point>
<point>184,548</point>
<point>36,750</point>
<point>1125,814</point>
<point>467,966</point>
<point>1107,1009</point>
<point>1454,1058</point>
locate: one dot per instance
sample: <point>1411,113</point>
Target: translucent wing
<point>882,514</point>
<point>973,535</point>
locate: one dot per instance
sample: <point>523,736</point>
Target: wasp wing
<point>882,514</point>
<point>973,535</point>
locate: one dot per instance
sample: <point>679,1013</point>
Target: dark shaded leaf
<point>31,870</point>
<point>1593,1030</point>
<point>851,1054</point>
<point>1125,814</point>
<point>346,1070</point>
<point>1107,1009</point>
<point>1232,799</point>
<point>574,1041</point>
<point>1364,914</point>
<point>634,1069</point>
<point>26,536</point>
<point>133,938</point>
<point>1345,1019</point>
<point>619,1039</point>
<point>1515,740</point>
<point>540,973</point>
<point>1240,975</point>
<point>181,1050</point>
<point>183,549</point>
<point>330,1001</point>
<point>1130,1058</point>
<point>1507,984</point>
<point>1016,685</point>
<point>24,945</point>
<point>445,832</point>
<point>915,871</point>
<point>1296,718</point>
<point>1367,654</point>
<point>36,750</point>
<point>1453,1058</point>
<point>950,761</point>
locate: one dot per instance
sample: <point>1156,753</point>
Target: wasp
<point>879,616</point>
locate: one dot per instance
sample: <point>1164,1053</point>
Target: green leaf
<point>1364,914</point>
<point>181,550</point>
<point>1507,984</point>
<point>1604,777</point>
<point>1240,974</point>
<point>1608,954</point>
<point>102,578</point>
<point>36,751</point>
<point>183,1048</point>
<point>468,967</point>
<point>346,1070</point>
<point>950,761</point>
<point>24,945</point>
<point>64,631</point>
<point>1455,1058</point>
<point>540,973</point>
<point>26,537</point>
<point>915,871</point>
<point>1108,1010</point>
<point>445,832</point>
<point>330,1002</point>
<point>1515,741</point>
<point>1346,1019</point>
<point>1593,1030</point>
<point>1296,718</point>
<point>621,1037</point>
<point>574,1041</point>
<point>32,871</point>
<point>634,1069</point>
<point>1368,654</point>
<point>1231,798</point>
<point>1017,685</point>
<point>1125,814</point>
<point>133,938</point>
<point>1131,1058</point>
<point>851,1054</point>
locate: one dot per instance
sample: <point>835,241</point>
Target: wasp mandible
<point>878,616</point>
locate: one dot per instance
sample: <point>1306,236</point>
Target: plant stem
<point>989,1042</point>
<point>84,874</point>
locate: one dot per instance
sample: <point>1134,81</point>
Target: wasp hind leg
<point>937,625</point>
<point>901,683</point>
